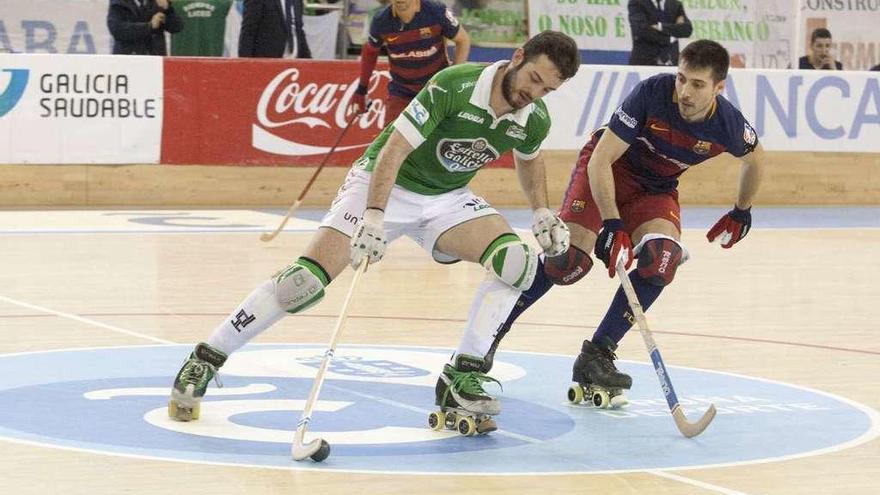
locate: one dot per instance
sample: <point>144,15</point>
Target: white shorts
<point>421,218</point>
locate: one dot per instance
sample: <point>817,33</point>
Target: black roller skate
<point>192,381</point>
<point>464,405</point>
<point>597,378</point>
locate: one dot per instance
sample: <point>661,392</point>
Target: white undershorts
<point>420,217</point>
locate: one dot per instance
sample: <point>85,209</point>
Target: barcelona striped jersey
<point>416,50</point>
<point>663,145</point>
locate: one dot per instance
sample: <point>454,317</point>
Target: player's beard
<point>507,86</point>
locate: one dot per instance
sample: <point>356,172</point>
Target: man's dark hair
<point>559,48</point>
<point>702,54</point>
<point>819,33</point>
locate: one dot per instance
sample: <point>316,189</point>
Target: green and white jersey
<point>454,132</point>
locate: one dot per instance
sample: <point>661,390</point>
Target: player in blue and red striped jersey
<point>414,34</point>
<point>623,190</point>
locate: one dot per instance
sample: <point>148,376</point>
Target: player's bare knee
<point>300,285</point>
<point>658,260</point>
<point>568,267</point>
<point>512,261</point>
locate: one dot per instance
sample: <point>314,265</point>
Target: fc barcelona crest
<point>425,32</point>
<point>702,147</point>
<point>578,205</point>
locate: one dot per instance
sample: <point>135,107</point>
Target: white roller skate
<point>598,380</point>
<point>464,405</point>
<point>192,381</point>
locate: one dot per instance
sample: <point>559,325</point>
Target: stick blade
<point>301,452</point>
<point>268,236</point>
<point>689,429</point>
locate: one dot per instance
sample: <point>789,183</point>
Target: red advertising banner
<point>265,112</point>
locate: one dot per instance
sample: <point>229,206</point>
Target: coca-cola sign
<point>299,116</point>
<point>266,112</point>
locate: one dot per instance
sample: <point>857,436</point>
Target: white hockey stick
<point>686,428</point>
<point>318,449</point>
<point>268,236</point>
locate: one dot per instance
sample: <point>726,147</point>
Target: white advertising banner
<point>54,26</point>
<point>80,108</point>
<point>854,26</point>
<point>594,24</point>
<point>756,33</point>
<point>791,110</point>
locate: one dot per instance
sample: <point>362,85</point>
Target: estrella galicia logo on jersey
<point>418,112</point>
<point>465,155</point>
<point>18,79</point>
<point>373,410</point>
<point>358,366</point>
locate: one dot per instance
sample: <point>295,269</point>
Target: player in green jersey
<point>413,181</point>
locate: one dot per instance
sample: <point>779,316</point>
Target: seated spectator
<point>820,57</point>
<point>138,26</point>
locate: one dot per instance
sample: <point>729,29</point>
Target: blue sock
<point>619,319</point>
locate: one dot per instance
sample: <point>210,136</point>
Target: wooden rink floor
<point>793,303</point>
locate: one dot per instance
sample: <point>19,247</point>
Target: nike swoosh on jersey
<point>392,38</point>
<point>656,127</point>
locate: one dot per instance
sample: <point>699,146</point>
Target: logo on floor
<point>375,403</point>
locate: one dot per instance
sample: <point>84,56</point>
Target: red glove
<point>358,103</point>
<point>732,227</point>
<point>612,244</point>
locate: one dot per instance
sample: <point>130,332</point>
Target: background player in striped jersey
<point>414,33</point>
<point>624,189</point>
<point>412,180</point>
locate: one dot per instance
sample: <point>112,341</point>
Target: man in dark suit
<point>273,28</point>
<point>138,26</point>
<point>656,26</point>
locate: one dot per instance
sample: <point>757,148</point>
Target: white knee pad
<point>514,263</point>
<point>298,287</point>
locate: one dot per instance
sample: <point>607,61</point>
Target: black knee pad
<point>568,267</point>
<point>658,260</point>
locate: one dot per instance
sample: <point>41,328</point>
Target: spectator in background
<point>138,26</point>
<point>274,29</point>
<point>820,57</point>
<point>414,33</point>
<point>656,26</point>
<point>205,28</point>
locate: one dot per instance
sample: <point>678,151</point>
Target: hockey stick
<point>686,428</point>
<point>318,449</point>
<point>266,236</point>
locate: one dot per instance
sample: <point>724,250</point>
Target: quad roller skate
<point>192,380</point>
<point>464,405</point>
<point>598,380</point>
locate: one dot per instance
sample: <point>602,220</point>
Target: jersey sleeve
<point>434,103</point>
<point>537,130</point>
<point>742,139</point>
<point>449,24</point>
<point>375,37</point>
<point>629,119</point>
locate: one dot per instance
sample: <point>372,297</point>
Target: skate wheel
<point>486,425</point>
<point>619,400</point>
<point>467,426</point>
<point>450,420</point>
<point>601,399</point>
<point>437,420</point>
<point>575,394</point>
<point>196,411</point>
<point>322,452</point>
<point>181,413</point>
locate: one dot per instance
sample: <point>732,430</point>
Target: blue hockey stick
<point>686,428</point>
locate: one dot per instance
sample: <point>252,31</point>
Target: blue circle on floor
<point>374,405</point>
